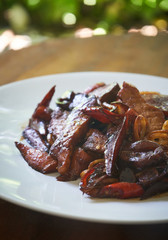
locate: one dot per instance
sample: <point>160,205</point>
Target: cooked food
<point>115,138</point>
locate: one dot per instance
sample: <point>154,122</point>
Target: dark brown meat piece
<point>143,145</point>
<point>158,100</point>
<point>127,175</point>
<point>112,149</point>
<point>116,136</point>
<point>139,158</point>
<point>38,160</point>
<point>106,93</point>
<point>156,188</point>
<point>58,121</point>
<point>131,97</point>
<point>95,141</point>
<point>80,161</point>
<point>77,125</point>
<point>151,175</point>
<point>34,138</point>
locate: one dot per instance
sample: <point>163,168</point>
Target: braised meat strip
<point>132,98</point>
<point>106,93</point>
<point>95,142</point>
<point>40,161</point>
<point>77,124</point>
<point>57,123</point>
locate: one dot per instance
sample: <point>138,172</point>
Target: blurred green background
<point>40,19</point>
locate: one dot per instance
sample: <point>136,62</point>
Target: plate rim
<point>82,219</point>
<point>21,81</point>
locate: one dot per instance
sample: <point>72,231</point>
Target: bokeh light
<point>164,5</point>
<point>150,31</point>
<point>89,2</point>
<point>25,22</point>
<point>33,2</point>
<point>69,19</point>
<point>99,31</point>
<point>84,33</point>
<point>151,3</point>
<point>161,24</point>
<point>137,2</point>
<point>8,40</point>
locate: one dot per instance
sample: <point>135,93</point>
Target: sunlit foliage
<point>58,17</point>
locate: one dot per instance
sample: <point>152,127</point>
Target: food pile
<point>113,137</point>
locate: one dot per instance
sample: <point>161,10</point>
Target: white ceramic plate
<point>22,185</point>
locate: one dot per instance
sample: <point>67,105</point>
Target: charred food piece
<point>151,175</point>
<point>34,138</point>
<point>80,161</point>
<point>106,93</point>
<point>77,124</point>
<point>38,160</point>
<point>115,140</point>
<point>58,122</point>
<point>156,188</point>
<point>96,183</point>
<point>132,97</point>
<point>158,100</point>
<point>95,141</point>
<point>142,154</point>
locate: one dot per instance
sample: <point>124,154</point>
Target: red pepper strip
<point>94,87</point>
<point>115,141</point>
<point>42,111</point>
<point>122,190</point>
<point>85,178</point>
<point>103,115</point>
<point>47,99</point>
<point>40,161</point>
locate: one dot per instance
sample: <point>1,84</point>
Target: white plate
<point>22,185</point>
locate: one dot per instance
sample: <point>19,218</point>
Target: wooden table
<point>129,53</point>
